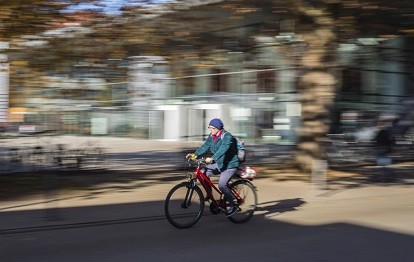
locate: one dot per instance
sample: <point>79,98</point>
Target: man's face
<point>213,130</point>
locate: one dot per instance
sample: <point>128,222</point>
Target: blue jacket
<point>224,150</point>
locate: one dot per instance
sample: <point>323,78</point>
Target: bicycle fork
<point>189,194</point>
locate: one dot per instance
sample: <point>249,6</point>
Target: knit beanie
<point>216,123</point>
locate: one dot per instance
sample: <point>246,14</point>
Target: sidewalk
<point>121,153</point>
<point>124,153</point>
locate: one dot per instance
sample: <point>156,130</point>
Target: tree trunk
<point>316,96</point>
<point>316,92</point>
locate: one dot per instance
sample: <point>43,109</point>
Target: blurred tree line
<point>177,32</point>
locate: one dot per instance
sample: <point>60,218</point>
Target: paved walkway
<point>127,153</point>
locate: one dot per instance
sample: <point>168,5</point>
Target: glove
<point>190,156</point>
<point>209,160</point>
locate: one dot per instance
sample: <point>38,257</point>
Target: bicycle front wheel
<point>245,193</point>
<point>184,205</point>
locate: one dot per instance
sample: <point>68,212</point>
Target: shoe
<point>231,211</point>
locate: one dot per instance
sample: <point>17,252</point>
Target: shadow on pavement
<point>123,231</point>
<point>398,175</point>
<point>281,206</point>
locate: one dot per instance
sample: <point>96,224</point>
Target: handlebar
<point>197,162</point>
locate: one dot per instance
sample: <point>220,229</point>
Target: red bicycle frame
<point>209,186</point>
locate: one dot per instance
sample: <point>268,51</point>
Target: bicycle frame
<point>207,184</point>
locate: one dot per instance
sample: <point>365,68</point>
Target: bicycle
<point>184,204</point>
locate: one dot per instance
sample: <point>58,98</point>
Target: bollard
<point>319,170</point>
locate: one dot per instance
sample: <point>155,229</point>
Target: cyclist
<point>224,160</point>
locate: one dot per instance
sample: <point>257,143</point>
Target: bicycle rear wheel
<point>245,192</point>
<point>184,205</point>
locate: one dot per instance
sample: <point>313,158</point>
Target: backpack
<point>241,150</point>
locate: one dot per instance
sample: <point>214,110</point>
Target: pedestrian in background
<point>384,143</point>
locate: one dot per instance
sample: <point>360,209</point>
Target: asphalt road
<point>294,222</point>
<point>214,238</point>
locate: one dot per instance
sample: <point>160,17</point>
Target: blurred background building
<point>249,79</point>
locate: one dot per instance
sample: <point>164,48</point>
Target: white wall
<point>4,91</point>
